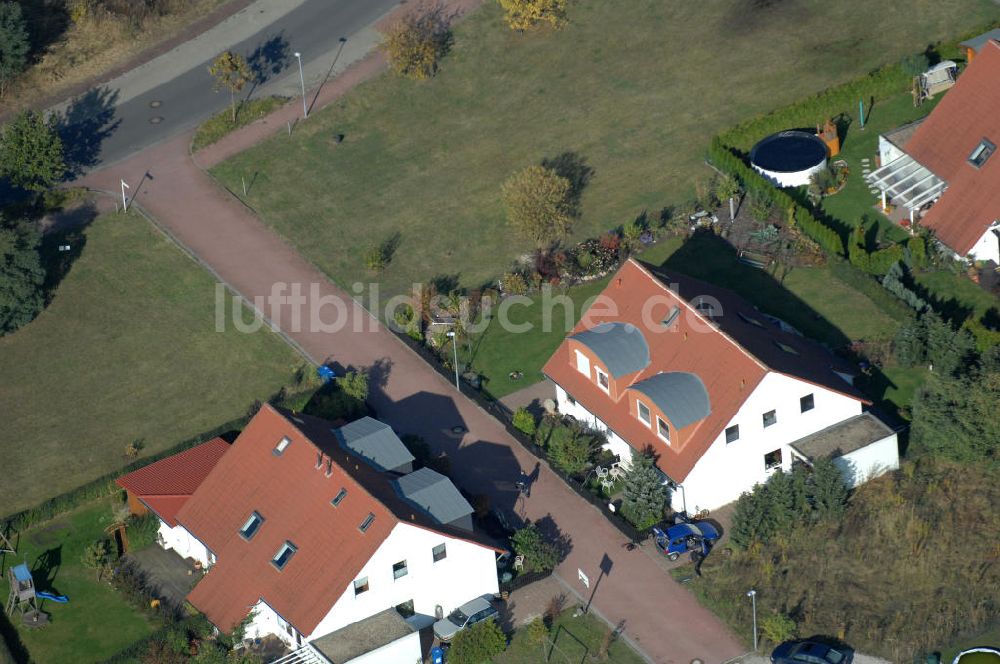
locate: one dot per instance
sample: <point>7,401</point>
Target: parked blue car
<point>811,652</point>
<point>686,536</point>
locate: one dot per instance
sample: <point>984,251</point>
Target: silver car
<point>464,616</point>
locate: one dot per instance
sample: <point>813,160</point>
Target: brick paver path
<point>660,616</point>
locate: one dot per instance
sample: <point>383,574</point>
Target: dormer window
<point>284,554</point>
<point>367,523</point>
<point>582,363</point>
<point>602,380</point>
<point>251,526</point>
<point>663,430</point>
<point>282,445</point>
<point>642,410</point>
<point>982,153</point>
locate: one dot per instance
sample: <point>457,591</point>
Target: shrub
<point>540,555</point>
<point>524,15</point>
<point>354,384</point>
<point>893,282</point>
<point>375,258</point>
<point>524,421</point>
<point>477,644</point>
<point>537,200</point>
<point>777,628</point>
<point>22,276</point>
<point>415,44</point>
<point>644,494</point>
<point>570,449</point>
<point>142,530</point>
<point>514,284</point>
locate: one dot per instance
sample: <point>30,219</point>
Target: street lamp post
<point>454,345</point>
<point>124,198</point>
<point>752,594</point>
<point>302,80</point>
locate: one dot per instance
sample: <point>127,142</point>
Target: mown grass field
<point>634,89</point>
<point>127,350</point>
<point>97,622</point>
<point>570,640</point>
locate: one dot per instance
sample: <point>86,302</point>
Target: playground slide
<point>62,599</point>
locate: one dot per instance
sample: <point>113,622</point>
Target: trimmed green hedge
<point>879,84</point>
<point>866,284</point>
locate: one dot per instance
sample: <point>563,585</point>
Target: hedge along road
<point>662,619</point>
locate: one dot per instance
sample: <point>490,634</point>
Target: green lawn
<point>574,639</point>
<point>127,350</point>
<point>97,622</point>
<point>988,638</point>
<point>854,200</point>
<point>634,89</point>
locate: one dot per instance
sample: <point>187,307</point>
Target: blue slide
<point>62,599</point>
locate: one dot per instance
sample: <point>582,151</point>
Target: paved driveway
<point>661,617</point>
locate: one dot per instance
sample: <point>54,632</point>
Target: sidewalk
<point>660,616</point>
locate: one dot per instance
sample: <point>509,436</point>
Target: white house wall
<point>987,248</point>
<point>870,461</point>
<point>401,651</point>
<point>266,621</point>
<point>727,470</point>
<point>616,444</point>
<point>887,151</point>
<point>468,571</point>
<point>184,543</point>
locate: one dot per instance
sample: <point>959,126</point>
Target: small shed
<point>862,447</point>
<point>974,45</point>
<point>384,638</point>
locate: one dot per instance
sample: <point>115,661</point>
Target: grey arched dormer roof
<point>620,346</point>
<point>681,396</point>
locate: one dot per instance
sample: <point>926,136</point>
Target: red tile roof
<point>730,357</point>
<point>165,485</point>
<point>293,496</point>
<point>967,114</point>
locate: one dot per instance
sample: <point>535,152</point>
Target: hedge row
<point>758,187</point>
<point>105,485</point>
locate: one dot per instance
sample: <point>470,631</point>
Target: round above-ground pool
<point>981,655</point>
<point>789,158</point>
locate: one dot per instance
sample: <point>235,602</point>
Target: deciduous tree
<point>95,557</point>
<point>231,72</point>
<point>538,207</point>
<point>477,644</point>
<point>524,15</point>
<point>539,553</point>
<point>13,43</point>
<point>415,43</point>
<point>31,152</point>
<point>21,275</point>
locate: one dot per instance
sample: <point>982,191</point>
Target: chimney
<point>329,467</point>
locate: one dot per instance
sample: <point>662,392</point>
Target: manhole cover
<point>156,103</point>
<point>156,119</point>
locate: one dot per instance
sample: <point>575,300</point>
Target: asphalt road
<point>98,132</point>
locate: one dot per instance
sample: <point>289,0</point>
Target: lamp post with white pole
<point>752,594</point>
<point>454,344</point>
<point>302,80</point>
<point>124,199</point>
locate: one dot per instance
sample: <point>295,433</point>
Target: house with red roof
<point>300,526</point>
<point>943,169</point>
<point>722,394</point>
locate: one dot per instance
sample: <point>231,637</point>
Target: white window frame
<point>361,586</point>
<point>600,372</point>
<point>659,429</point>
<point>339,498</point>
<point>763,418</point>
<point>254,518</point>
<point>444,552</point>
<point>398,574</point>
<point>773,466</point>
<point>286,547</point>
<point>648,420</point>
<point>726,434</point>
<point>282,445</point>
<point>582,363</point>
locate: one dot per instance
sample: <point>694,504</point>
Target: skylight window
<point>367,523</point>
<point>282,445</point>
<point>339,498</point>
<point>675,311</point>
<point>284,554</point>
<point>982,153</point>
<point>748,319</point>
<point>251,526</point>
<point>785,347</point>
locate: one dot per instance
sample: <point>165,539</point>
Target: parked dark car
<point>811,652</point>
<point>685,536</point>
